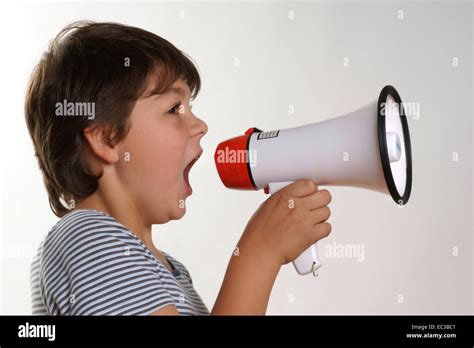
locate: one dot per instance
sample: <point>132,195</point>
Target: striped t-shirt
<point>90,264</point>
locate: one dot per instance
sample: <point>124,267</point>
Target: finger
<point>321,231</point>
<point>317,200</point>
<point>301,188</point>
<point>320,215</point>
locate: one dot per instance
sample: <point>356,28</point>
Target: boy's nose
<point>204,128</point>
<point>199,127</point>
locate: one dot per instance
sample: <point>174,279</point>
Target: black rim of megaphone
<point>387,171</point>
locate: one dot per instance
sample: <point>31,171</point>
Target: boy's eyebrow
<point>175,90</point>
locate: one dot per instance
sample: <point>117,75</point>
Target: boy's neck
<point>112,199</point>
<point>123,213</point>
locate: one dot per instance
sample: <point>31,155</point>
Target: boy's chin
<point>165,214</point>
<point>179,212</point>
<point>172,215</point>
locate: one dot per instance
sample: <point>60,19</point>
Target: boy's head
<point>108,110</point>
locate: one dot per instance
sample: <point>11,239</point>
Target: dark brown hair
<point>107,64</point>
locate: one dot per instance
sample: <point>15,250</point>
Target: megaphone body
<point>368,148</point>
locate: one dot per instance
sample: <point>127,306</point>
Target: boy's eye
<point>179,108</point>
<point>175,109</point>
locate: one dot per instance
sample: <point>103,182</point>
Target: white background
<point>408,265</point>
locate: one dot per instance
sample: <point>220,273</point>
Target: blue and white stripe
<point>90,264</point>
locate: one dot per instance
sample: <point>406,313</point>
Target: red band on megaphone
<point>232,162</point>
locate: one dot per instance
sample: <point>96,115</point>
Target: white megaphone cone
<point>367,148</point>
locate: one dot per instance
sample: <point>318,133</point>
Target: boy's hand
<point>283,227</point>
<point>289,221</point>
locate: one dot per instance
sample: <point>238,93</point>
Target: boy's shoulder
<point>90,255</point>
<point>82,232</point>
<point>87,236</point>
<point>82,224</point>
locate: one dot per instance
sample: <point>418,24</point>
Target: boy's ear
<point>99,141</point>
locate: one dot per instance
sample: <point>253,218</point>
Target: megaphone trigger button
<point>266,189</point>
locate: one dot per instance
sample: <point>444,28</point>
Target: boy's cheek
<point>158,184</point>
<point>148,160</point>
<point>154,173</point>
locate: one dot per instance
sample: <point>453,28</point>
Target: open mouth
<point>186,172</point>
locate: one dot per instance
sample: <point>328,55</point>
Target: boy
<point>108,110</point>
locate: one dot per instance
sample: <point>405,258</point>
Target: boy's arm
<point>276,234</point>
<point>248,282</point>
<point>168,310</point>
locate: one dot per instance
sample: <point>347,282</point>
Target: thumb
<point>301,188</point>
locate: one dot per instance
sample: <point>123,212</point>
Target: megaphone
<point>368,148</point>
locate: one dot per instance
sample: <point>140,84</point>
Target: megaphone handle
<point>308,261</point>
